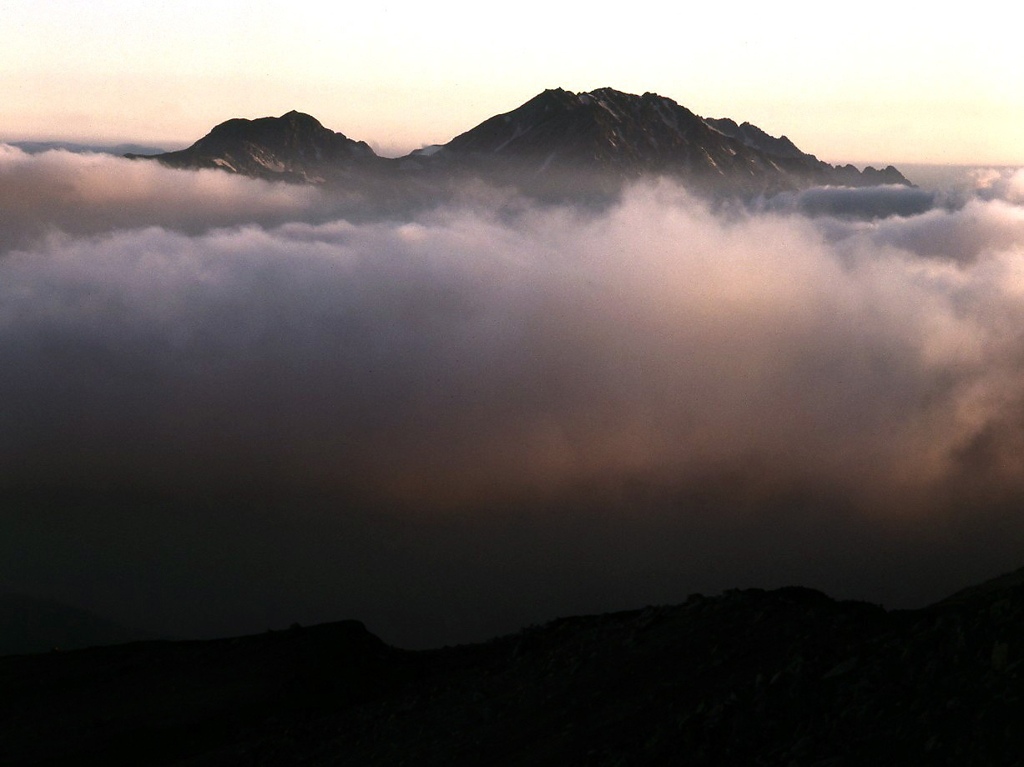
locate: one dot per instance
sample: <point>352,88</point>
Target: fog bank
<point>229,406</point>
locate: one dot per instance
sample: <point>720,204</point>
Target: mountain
<point>292,147</point>
<point>30,625</point>
<point>783,677</point>
<point>628,136</point>
<point>558,143</point>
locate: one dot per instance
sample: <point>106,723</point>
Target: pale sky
<point>872,82</point>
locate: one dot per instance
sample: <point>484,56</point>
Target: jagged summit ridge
<point>753,136</point>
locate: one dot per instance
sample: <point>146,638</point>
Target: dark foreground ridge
<point>558,144</point>
<point>785,677</point>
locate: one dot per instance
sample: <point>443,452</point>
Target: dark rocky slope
<point>625,136</point>
<point>293,147</point>
<point>786,677</point>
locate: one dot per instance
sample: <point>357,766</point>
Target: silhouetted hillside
<point>785,677</point>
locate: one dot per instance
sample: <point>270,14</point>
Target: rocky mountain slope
<point>785,677</point>
<point>292,147</point>
<point>627,136</point>
<point>558,142</point>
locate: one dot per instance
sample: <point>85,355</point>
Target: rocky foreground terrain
<point>785,677</point>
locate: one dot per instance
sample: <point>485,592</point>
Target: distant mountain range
<point>557,143</point>
<point>749,677</point>
<point>36,147</point>
<point>28,624</point>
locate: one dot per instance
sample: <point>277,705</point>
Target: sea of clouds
<point>229,404</point>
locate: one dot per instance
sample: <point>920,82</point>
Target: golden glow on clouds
<point>886,84</point>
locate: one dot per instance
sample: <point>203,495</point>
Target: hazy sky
<point>871,83</point>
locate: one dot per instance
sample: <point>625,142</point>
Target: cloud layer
<point>226,404</point>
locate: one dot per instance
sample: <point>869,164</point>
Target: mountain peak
<point>604,125</point>
<point>623,136</point>
<point>300,120</point>
<point>292,147</point>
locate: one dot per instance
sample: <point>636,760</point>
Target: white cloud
<point>93,193</point>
